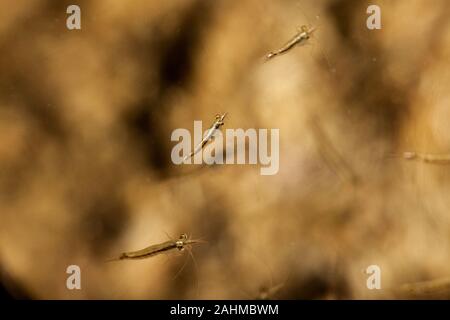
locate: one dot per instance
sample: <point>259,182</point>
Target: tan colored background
<point>85,170</point>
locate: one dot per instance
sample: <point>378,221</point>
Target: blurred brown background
<point>85,169</point>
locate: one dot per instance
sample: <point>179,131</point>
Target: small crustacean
<point>303,35</point>
<point>208,135</point>
<point>424,289</point>
<point>331,155</point>
<point>156,249</point>
<point>425,157</point>
<point>267,293</point>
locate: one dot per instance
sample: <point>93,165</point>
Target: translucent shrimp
<point>332,157</point>
<point>267,293</point>
<point>426,157</point>
<point>208,135</point>
<point>426,287</point>
<point>301,37</point>
<point>156,249</point>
